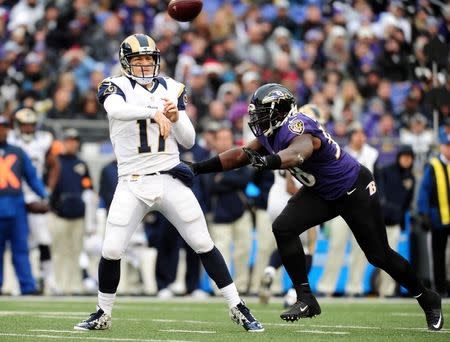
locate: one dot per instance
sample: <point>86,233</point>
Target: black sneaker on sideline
<point>430,302</point>
<point>240,314</point>
<point>307,306</point>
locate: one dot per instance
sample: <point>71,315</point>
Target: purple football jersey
<point>330,171</point>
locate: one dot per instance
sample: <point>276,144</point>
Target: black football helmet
<point>137,45</point>
<point>269,106</point>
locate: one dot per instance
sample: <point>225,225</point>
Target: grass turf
<point>42,319</point>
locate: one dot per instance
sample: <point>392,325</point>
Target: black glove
<point>256,160</point>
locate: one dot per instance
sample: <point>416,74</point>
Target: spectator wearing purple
<point>385,138</point>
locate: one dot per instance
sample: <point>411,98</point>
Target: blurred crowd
<point>380,68</point>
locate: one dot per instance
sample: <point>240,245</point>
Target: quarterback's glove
<point>38,207</point>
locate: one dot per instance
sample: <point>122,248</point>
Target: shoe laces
<point>246,312</point>
<point>95,315</point>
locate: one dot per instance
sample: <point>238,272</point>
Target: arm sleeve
<point>31,177</point>
<point>183,130</point>
<point>118,109</point>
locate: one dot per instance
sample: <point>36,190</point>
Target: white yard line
<point>442,331</point>
<point>189,331</point>
<point>345,327</point>
<point>61,317</point>
<point>324,332</point>
<point>407,314</point>
<point>59,313</point>
<point>58,331</point>
<point>325,326</point>
<point>177,321</point>
<point>84,338</point>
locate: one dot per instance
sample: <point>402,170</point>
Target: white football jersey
<point>138,145</point>
<point>36,150</point>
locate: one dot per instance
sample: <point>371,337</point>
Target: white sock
<point>106,301</point>
<point>231,295</point>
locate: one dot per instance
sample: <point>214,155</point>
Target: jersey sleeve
<point>295,126</point>
<point>106,88</point>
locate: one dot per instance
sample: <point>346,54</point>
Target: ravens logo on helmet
<point>139,58</point>
<point>269,106</point>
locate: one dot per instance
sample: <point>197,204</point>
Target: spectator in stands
<point>350,98</point>
<point>421,139</point>
<point>337,49</point>
<point>283,19</point>
<point>393,61</point>
<point>73,202</point>
<point>385,138</point>
<point>27,13</point>
<point>313,20</point>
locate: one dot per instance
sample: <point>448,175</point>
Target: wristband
<point>273,161</point>
<point>208,166</point>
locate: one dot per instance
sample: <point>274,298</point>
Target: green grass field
<point>142,319</point>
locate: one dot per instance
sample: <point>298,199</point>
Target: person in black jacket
<point>231,222</point>
<point>396,184</point>
<point>73,204</point>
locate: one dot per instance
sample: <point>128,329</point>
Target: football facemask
<point>139,45</point>
<point>269,106</point>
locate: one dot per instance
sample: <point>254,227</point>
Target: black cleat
<point>241,315</point>
<point>96,321</point>
<point>430,302</point>
<point>307,306</point>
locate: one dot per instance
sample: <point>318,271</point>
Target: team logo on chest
<point>296,126</point>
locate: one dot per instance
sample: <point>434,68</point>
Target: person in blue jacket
<point>433,206</point>
<point>15,166</point>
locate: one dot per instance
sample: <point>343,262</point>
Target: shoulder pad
<point>108,87</point>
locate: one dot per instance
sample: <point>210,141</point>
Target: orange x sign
<point>7,176</point>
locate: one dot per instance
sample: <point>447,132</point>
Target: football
<point>184,10</point>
